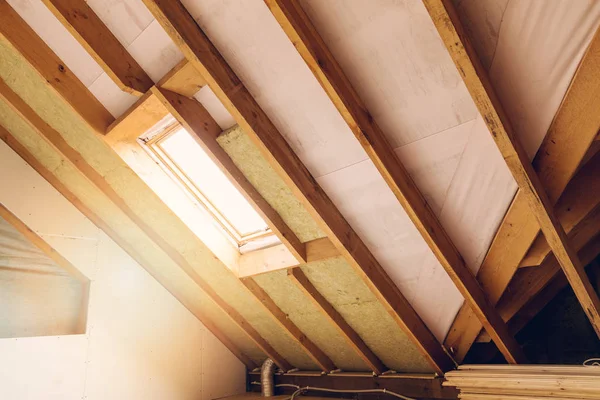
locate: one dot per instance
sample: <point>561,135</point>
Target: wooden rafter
<point>576,124</point>
<point>18,148</point>
<point>89,30</point>
<point>463,54</point>
<point>297,25</point>
<point>52,70</point>
<point>311,349</point>
<point>197,121</point>
<point>578,200</point>
<point>60,145</point>
<point>201,53</point>
<point>349,334</point>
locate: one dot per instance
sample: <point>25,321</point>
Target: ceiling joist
<point>475,77</point>
<point>201,53</point>
<point>89,30</point>
<point>297,25</point>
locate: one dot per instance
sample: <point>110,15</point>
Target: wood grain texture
<point>198,49</point>
<point>54,72</point>
<point>89,30</point>
<point>197,121</point>
<point>183,79</point>
<point>62,147</point>
<point>18,148</point>
<point>520,225</point>
<point>297,25</point>
<point>316,354</point>
<point>146,112</point>
<point>298,277</point>
<point>578,200</point>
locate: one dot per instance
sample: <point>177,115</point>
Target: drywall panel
<point>391,52</point>
<point>310,320</point>
<point>178,238</point>
<point>249,160</point>
<point>140,342</point>
<point>335,279</point>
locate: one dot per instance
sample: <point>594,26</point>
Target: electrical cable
<point>302,390</point>
<point>592,362</point>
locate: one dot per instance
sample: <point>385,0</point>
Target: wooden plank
<point>298,277</point>
<point>146,112</point>
<point>236,98</point>
<point>89,30</point>
<point>54,72</point>
<point>196,120</point>
<point>578,200</point>
<point>183,79</point>
<point>297,25</point>
<point>311,349</point>
<point>62,147</point>
<point>475,77</point>
<point>41,244</point>
<point>18,148</point>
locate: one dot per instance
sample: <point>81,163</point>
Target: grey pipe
<point>267,380</point>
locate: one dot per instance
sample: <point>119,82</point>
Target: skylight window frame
<point>151,143</point>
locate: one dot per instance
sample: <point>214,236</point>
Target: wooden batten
<point>311,349</point>
<point>137,120</point>
<point>297,25</point>
<point>52,70</point>
<point>195,46</point>
<point>89,30</point>
<point>183,79</point>
<point>298,277</point>
<point>531,191</point>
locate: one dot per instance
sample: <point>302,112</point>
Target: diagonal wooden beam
<point>463,54</point>
<point>20,150</point>
<point>577,202</point>
<point>302,281</point>
<point>574,127</point>
<point>236,98</point>
<point>183,79</point>
<point>197,121</point>
<point>73,156</point>
<point>297,25</point>
<point>54,72</point>
<point>311,349</point>
<point>89,30</point>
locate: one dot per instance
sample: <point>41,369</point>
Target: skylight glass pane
<point>187,154</point>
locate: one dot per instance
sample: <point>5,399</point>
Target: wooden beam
<point>183,79</point>
<point>311,349</point>
<point>53,71</point>
<point>520,227</point>
<point>349,334</point>
<point>236,98</point>
<point>41,244</point>
<point>18,148</point>
<point>89,30</point>
<point>62,147</point>
<point>197,121</point>
<point>578,200</point>
<point>297,25</point>
<point>146,112</point>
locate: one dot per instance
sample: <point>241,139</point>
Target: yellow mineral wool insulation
<point>335,279</point>
<point>21,77</point>
<point>256,169</point>
<point>310,320</point>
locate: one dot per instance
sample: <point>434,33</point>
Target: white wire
<point>301,390</point>
<point>592,362</point>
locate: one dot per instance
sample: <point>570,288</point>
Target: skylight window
<point>185,160</point>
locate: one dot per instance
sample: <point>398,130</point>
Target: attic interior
<point>208,199</point>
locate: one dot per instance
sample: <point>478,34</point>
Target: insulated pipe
<point>267,380</point>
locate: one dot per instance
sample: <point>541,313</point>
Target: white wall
<point>141,343</point>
